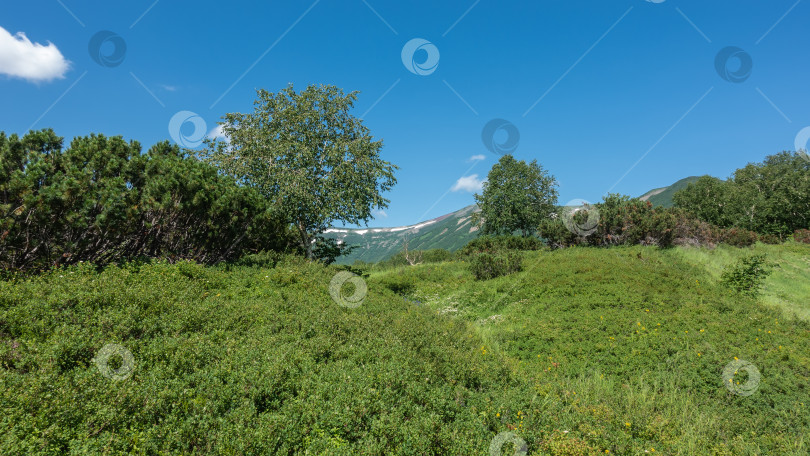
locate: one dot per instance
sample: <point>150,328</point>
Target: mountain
<point>663,196</point>
<point>450,231</point>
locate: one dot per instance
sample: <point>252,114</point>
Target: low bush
<point>739,237</point>
<point>772,239</point>
<point>802,236</point>
<point>499,243</point>
<point>421,256</point>
<point>747,274</point>
<point>486,266</point>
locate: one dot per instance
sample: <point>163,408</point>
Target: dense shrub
<point>747,274</point>
<point>770,239</point>
<point>556,234</point>
<point>490,265</point>
<point>802,236</point>
<point>422,256</point>
<point>101,200</point>
<point>739,237</point>
<point>501,242</point>
<point>628,221</point>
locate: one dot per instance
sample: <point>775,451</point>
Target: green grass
<point>640,336</point>
<point>788,286</point>
<point>585,350</point>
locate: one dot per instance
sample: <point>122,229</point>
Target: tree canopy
<point>772,197</point>
<point>308,155</point>
<point>516,197</point>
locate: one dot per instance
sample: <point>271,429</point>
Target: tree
<point>707,199</point>
<point>516,197</point>
<point>308,155</point>
<point>772,197</point>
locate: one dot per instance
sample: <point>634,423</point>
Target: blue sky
<point>619,95</point>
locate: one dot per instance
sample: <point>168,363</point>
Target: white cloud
<point>468,184</point>
<point>168,88</point>
<point>477,158</point>
<point>20,58</point>
<point>379,213</point>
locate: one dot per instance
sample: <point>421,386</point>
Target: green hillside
<point>663,196</point>
<point>586,351</point>
<point>451,232</point>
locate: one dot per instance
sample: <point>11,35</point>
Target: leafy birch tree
<point>517,196</point>
<point>308,155</point>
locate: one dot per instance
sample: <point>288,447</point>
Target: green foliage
<point>515,197</point>
<point>307,154</point>
<point>101,200</point>
<point>587,350</point>
<point>802,236</point>
<point>739,237</point>
<point>769,239</point>
<point>622,220</point>
<point>772,197</point>
<point>425,256</point>
<point>556,234</point>
<point>625,348</point>
<point>491,244</point>
<point>485,266</point>
<point>327,250</point>
<point>246,361</point>
<point>747,274</point>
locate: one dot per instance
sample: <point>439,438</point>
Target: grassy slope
<point>665,197</point>
<point>627,352</point>
<point>587,350</point>
<point>788,286</point>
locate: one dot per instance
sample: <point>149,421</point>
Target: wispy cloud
<point>379,213</point>
<point>34,62</point>
<point>168,88</point>
<point>468,184</point>
<point>478,157</point>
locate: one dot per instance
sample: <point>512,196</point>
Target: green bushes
<point>421,256</point>
<point>101,200</point>
<point>502,242</point>
<point>245,361</point>
<point>623,220</point>
<point>486,266</point>
<point>739,237</point>
<point>747,274</point>
<point>802,236</point>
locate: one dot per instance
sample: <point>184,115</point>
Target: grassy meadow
<point>585,351</point>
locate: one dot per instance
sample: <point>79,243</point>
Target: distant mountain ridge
<point>450,231</point>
